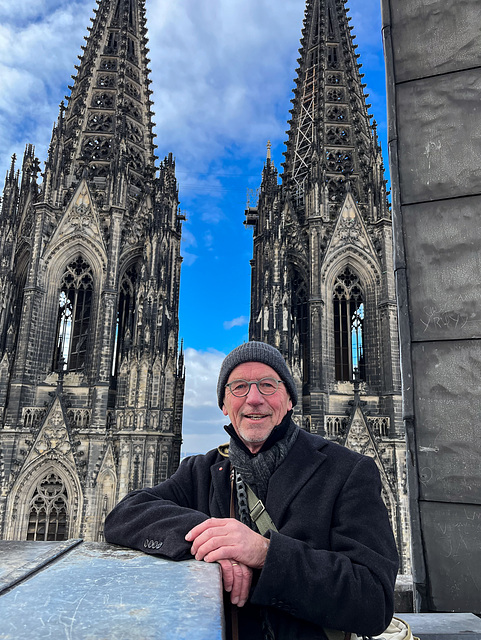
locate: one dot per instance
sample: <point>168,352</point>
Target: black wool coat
<point>333,561</point>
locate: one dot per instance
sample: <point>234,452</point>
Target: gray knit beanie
<point>255,352</point>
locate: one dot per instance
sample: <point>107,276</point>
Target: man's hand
<point>218,539</point>
<point>237,579</point>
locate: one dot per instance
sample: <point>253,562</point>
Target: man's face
<point>254,416</point>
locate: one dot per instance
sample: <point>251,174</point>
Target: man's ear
<point>224,410</point>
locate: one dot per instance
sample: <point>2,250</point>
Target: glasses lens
<point>268,386</point>
<point>239,388</point>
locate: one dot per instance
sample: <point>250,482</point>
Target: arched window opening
<point>48,516</point>
<point>74,315</point>
<point>349,327</point>
<point>300,315</point>
<point>125,327</point>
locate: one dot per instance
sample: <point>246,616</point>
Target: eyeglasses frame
<point>256,382</point>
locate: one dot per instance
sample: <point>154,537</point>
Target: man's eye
<point>267,385</point>
<point>238,387</point>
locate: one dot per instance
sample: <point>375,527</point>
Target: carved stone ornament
<point>80,216</point>
<point>358,439</point>
<point>349,227</point>
<point>54,437</point>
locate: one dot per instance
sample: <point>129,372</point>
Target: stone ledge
<point>443,626</point>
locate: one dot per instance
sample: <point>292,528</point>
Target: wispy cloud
<point>203,420</point>
<point>236,322</point>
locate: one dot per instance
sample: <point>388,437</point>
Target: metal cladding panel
<point>444,626</point>
<point>439,36</point>
<point>100,591</point>
<point>439,127</point>
<point>20,559</point>
<point>453,550</point>
<point>448,408</point>
<point>442,242</point>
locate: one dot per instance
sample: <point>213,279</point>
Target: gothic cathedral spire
<point>331,140</point>
<point>105,132</point>
<point>322,271</point>
<point>91,381</point>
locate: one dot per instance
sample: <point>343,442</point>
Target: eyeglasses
<point>266,386</point>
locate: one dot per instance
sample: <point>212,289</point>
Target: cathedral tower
<point>91,381</point>
<point>322,270</point>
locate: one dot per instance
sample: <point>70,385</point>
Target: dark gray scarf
<point>257,469</point>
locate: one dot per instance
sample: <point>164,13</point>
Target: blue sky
<point>222,79</point>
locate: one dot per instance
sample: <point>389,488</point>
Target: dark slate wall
<point>433,56</point>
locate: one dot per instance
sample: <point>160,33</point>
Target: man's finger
<point>242,583</point>
<point>210,539</point>
<point>207,524</point>
<point>227,574</point>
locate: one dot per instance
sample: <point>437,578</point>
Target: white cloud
<point>38,48</point>
<point>202,370</point>
<point>218,69</point>
<point>188,238</point>
<point>203,420</point>
<point>236,322</point>
<point>189,258</point>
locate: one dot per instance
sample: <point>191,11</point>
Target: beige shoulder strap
<point>258,513</point>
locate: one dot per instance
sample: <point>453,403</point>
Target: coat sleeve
<point>155,520</point>
<point>350,585</point>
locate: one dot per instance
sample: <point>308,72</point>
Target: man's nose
<point>254,396</point>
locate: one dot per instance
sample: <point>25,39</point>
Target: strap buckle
<point>257,510</point>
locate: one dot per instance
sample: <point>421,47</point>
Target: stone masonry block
<point>439,126</point>
<point>447,409</point>
<point>442,241</point>
<point>438,36</point>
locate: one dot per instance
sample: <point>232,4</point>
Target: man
<point>328,559</point>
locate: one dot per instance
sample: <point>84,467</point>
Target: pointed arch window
<point>74,316</point>
<point>48,510</point>
<point>349,326</point>
<point>125,329</point>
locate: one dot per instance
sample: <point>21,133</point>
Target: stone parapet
<point>97,591</point>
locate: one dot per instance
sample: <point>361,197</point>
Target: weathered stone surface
<point>439,128</point>
<point>434,83</point>
<point>444,626</point>
<point>447,409</point>
<point>442,240</point>
<point>434,37</point>
<point>18,559</point>
<point>100,591</point>
<point>453,551</point>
